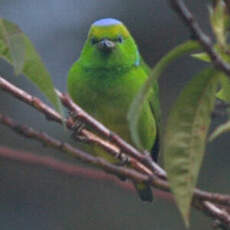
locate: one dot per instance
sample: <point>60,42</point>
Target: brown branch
<point>152,179</point>
<point>83,156</point>
<point>71,169</point>
<point>102,130</point>
<point>220,216</point>
<point>215,211</point>
<point>113,150</point>
<point>30,100</point>
<point>53,115</point>
<point>74,170</point>
<point>69,149</point>
<point>88,158</point>
<point>183,12</point>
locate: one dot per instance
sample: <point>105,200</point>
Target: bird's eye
<point>93,41</point>
<point>120,39</point>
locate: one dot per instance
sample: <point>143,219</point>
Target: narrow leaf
<point>224,92</point>
<point>18,50</point>
<point>13,41</point>
<point>221,129</point>
<point>218,19</point>
<point>185,136</point>
<point>202,57</point>
<point>136,106</point>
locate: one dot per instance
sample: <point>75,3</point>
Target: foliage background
<point>38,198</point>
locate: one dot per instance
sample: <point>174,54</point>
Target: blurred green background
<point>41,199</point>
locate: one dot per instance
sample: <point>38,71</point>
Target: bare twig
<point>67,148</point>
<point>219,215</point>
<point>74,170</point>
<point>83,156</point>
<point>183,12</point>
<point>70,169</point>
<point>30,100</point>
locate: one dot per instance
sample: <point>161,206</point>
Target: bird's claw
<point>124,160</point>
<point>79,137</point>
<point>77,128</point>
<point>73,115</point>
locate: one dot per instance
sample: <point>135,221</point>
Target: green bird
<point>105,80</point>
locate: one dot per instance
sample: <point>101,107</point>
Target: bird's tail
<point>144,191</point>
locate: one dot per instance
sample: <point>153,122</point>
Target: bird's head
<point>109,44</point>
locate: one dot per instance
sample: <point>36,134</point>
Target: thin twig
<point>69,149</point>
<point>83,156</point>
<point>30,100</point>
<point>70,169</point>
<point>220,216</point>
<point>183,12</point>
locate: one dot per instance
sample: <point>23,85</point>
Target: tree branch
<point>138,173</point>
<point>183,12</point>
<point>220,216</point>
<point>70,169</point>
<point>69,149</point>
<point>83,156</point>
<point>53,115</point>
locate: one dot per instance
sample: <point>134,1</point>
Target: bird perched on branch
<point>105,80</point>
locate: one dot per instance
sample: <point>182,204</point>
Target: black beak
<point>106,45</point>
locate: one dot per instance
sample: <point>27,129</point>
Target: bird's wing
<point>154,104</point>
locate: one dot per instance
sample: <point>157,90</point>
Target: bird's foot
<point>123,159</point>
<point>122,178</point>
<point>77,131</point>
<point>73,115</point>
<point>123,162</point>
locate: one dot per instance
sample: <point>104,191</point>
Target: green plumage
<point>105,80</point>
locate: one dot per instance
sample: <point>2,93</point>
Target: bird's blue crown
<point>107,22</point>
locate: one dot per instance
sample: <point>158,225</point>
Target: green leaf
<point>220,130</point>
<point>205,57</point>
<point>202,57</point>
<point>219,20</point>
<point>185,136</point>
<point>18,50</point>
<point>224,92</point>
<point>136,106</point>
<point>12,42</point>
